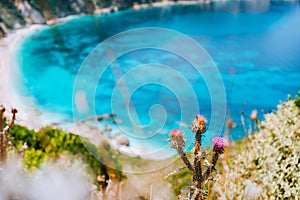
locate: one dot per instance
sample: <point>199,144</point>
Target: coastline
<point>32,117</point>
<point>29,114</point>
<point>11,75</point>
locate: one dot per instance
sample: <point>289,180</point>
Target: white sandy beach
<point>10,79</point>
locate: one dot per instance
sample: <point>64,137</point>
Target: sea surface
<point>255,46</point>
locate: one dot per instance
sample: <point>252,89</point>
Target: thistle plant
<point>178,142</point>
<point>201,168</point>
<point>5,129</point>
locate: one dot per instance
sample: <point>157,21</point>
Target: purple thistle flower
<point>219,143</point>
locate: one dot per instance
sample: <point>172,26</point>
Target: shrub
<point>49,143</point>
<point>266,165</point>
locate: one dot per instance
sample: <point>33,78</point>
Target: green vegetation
<point>297,100</point>
<point>266,165</point>
<point>50,144</point>
<point>10,16</point>
<point>180,181</point>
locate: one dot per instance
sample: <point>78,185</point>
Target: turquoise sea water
<point>255,45</point>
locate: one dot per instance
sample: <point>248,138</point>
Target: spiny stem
<point>212,167</point>
<point>13,111</point>
<point>197,177</point>
<point>5,132</point>
<point>12,122</point>
<point>174,172</point>
<point>184,158</point>
<point>243,122</point>
<point>2,148</point>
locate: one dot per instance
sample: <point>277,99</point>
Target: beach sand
<point>28,114</point>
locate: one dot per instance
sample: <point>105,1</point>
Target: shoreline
<point>29,114</point>
<point>11,75</point>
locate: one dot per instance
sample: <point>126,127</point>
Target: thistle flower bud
<point>219,143</point>
<point>199,124</point>
<point>177,139</point>
<point>230,123</point>
<point>253,115</point>
<point>14,111</point>
<point>2,109</point>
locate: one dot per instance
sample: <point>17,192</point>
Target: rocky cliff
<point>17,13</point>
